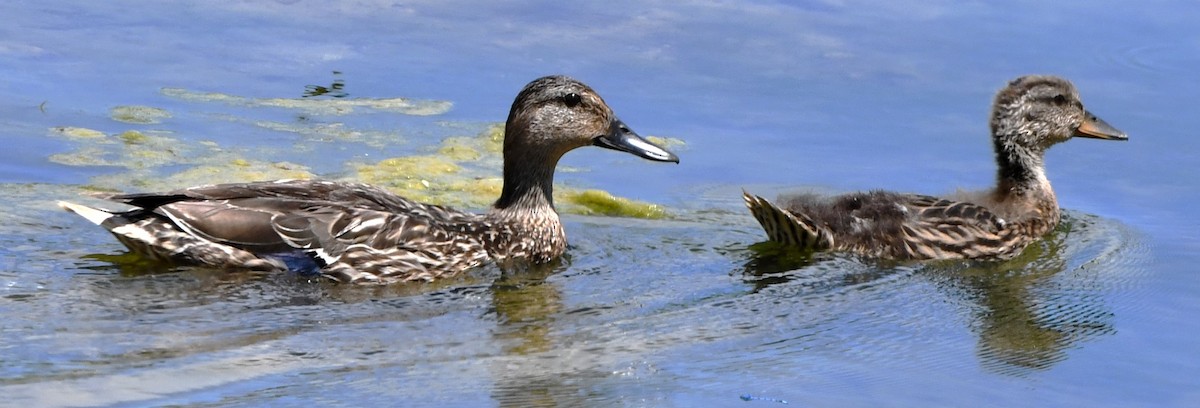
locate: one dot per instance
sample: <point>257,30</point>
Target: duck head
<point>1029,115</point>
<point>1035,112</point>
<point>551,116</point>
<point>555,114</point>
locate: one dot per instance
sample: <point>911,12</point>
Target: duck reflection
<point>525,306</point>
<point>337,89</point>
<point>817,272</point>
<point>1026,311</point>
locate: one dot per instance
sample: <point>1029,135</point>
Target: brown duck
<point>1029,115</point>
<point>357,233</point>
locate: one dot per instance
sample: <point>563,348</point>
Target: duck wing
<point>355,232</point>
<point>937,228</point>
<point>365,245</point>
<point>241,214</point>
<point>885,224</point>
<point>350,194</point>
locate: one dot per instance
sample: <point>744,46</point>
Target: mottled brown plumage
<point>353,232</point>
<point>1029,115</point>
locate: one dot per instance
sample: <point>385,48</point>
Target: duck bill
<point>1097,128</point>
<point>620,137</point>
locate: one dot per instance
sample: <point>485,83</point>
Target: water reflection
<point>337,89</point>
<point>1026,312</point>
<point>774,264</point>
<point>605,323</point>
<point>525,305</point>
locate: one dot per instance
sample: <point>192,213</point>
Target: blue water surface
<point>767,96</point>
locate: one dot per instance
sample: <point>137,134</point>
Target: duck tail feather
<point>95,215</point>
<point>787,227</point>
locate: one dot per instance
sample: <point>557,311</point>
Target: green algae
<point>314,106</point>
<point>461,171</point>
<point>483,190</point>
<point>493,138</point>
<point>407,172</point>
<point>144,155</point>
<point>459,149</point>
<point>236,170</point>
<point>133,137</point>
<point>214,170</point>
<point>84,156</point>
<point>482,151</point>
<point>143,115</point>
<point>600,202</point>
<point>129,149</point>
<point>77,132</point>
<point>423,178</point>
<point>668,143</point>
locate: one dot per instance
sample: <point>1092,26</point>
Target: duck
<point>1029,115</point>
<point>356,233</point>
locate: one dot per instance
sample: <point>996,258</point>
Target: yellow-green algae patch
<point>478,191</point>
<point>213,170</point>
<point>493,138</point>
<point>129,149</point>
<point>318,106</point>
<point>459,149</point>
<point>600,202</point>
<point>133,137</point>
<point>138,114</point>
<point>666,142</point>
<point>415,177</point>
<point>78,132</point>
<point>144,154</point>
<point>84,156</point>
<point>462,171</point>
<point>397,170</point>
<point>236,170</point>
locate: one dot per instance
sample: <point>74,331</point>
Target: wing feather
<point>364,245</point>
<point>886,224</point>
<point>355,231</point>
<point>941,228</point>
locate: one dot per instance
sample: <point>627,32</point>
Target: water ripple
<point>635,306</point>
<point>1166,59</point>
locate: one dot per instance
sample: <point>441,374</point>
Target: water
<point>683,311</point>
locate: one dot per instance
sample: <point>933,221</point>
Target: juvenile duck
<point>357,233</point>
<point>1029,115</point>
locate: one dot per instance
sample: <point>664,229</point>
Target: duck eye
<point>1060,100</point>
<point>572,99</point>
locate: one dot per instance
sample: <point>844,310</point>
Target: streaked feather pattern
<point>357,233</point>
<point>1029,115</point>
<point>789,228</point>
<point>889,225</point>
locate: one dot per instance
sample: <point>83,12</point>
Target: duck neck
<point>526,209</point>
<point>528,185</point>
<point>1021,169</point>
<point>1022,189</point>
